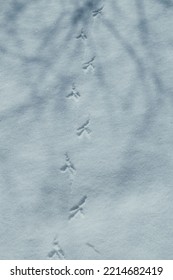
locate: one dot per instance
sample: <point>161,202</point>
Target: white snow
<point>86,129</point>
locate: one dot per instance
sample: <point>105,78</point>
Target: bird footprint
<point>74,93</point>
<point>84,129</point>
<point>78,208</point>
<point>82,35</point>
<point>97,12</point>
<point>89,64</point>
<point>57,251</point>
<point>68,166</point>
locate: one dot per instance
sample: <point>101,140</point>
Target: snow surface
<point>86,129</point>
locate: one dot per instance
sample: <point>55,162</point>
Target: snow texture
<point>86,129</point>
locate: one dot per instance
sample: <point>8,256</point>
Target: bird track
<point>82,35</point>
<point>83,129</point>
<point>78,208</point>
<point>93,247</point>
<point>74,93</point>
<point>89,64</point>
<point>97,12</point>
<point>57,251</point>
<point>68,166</point>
